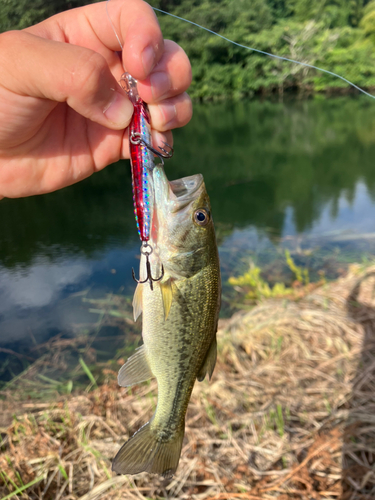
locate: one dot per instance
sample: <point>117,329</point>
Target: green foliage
<point>326,33</point>
<point>19,14</point>
<point>367,22</point>
<point>302,275</point>
<point>255,286</point>
<point>338,35</point>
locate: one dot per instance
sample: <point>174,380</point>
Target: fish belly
<point>176,347</point>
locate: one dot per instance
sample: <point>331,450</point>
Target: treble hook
<point>147,252</point>
<point>136,138</point>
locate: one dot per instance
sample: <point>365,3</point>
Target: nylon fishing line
<point>113,26</point>
<point>281,58</point>
<point>268,53</point>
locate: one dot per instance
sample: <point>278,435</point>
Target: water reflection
<point>273,171</point>
<point>352,212</point>
<point>26,294</point>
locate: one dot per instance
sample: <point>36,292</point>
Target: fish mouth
<point>185,190</point>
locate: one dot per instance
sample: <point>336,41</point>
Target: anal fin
<point>135,370</point>
<point>209,361</point>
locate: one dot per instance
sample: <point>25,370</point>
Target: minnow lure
<point>142,163</point>
<point>141,158</point>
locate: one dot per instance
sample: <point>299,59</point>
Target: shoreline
<point>288,413</point>
<point>277,94</point>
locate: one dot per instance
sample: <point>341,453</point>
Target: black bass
<point>180,318</point>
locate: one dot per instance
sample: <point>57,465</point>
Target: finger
<point>170,77</point>
<point>41,68</point>
<point>162,139</point>
<point>158,139</point>
<point>171,113</point>
<point>135,24</point>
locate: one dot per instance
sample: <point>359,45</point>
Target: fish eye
<point>201,217</point>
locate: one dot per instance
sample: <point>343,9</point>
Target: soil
<point>289,414</point>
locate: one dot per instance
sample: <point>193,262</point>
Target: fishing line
<point>281,58</point>
<point>267,53</point>
<point>113,26</point>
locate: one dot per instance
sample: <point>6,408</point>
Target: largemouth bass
<point>180,318</point>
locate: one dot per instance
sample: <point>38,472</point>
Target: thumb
<point>62,72</point>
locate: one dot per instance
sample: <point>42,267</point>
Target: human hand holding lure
<point>63,115</point>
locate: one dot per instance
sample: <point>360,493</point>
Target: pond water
<point>297,175</point>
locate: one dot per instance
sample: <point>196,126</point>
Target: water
<point>297,175</point>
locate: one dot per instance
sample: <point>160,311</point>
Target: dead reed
<point>289,414</point>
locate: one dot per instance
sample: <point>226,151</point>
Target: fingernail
<point>169,112</point>
<point>160,84</point>
<point>148,59</point>
<point>119,111</point>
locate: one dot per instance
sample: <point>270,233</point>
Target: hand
<point>62,112</point>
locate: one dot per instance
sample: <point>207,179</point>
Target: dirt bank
<point>289,414</point>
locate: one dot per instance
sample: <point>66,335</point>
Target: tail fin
<point>146,451</point>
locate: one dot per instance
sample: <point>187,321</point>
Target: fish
<point>179,322</point>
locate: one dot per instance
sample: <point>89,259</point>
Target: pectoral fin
<point>167,294</point>
<point>137,302</point>
<point>209,362</point>
<point>135,370</point>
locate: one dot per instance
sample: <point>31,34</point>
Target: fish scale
<point>184,329</point>
<point>180,318</point>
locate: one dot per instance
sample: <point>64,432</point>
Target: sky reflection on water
<point>355,215</point>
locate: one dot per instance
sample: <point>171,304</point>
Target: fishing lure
<point>142,163</point>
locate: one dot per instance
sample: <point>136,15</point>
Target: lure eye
<point>201,217</point>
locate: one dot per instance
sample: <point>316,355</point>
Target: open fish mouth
<point>186,186</point>
<point>185,190</point>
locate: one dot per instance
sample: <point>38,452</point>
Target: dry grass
<point>290,414</point>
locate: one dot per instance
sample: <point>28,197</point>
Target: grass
<point>289,413</point>
<point>24,487</point>
<point>87,371</point>
<point>253,287</point>
<point>63,363</point>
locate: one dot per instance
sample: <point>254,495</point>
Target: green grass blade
<point>63,472</point>
<point>87,370</point>
<point>22,488</point>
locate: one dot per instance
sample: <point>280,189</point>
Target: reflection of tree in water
<point>262,157</point>
<point>258,159</point>
<point>81,218</point>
